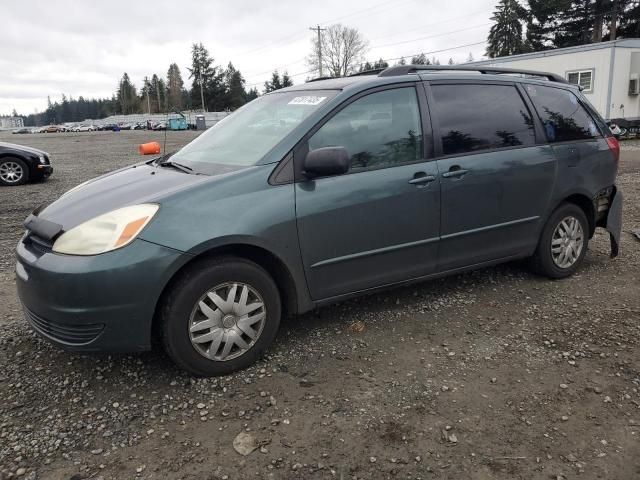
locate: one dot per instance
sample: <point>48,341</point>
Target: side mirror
<point>326,161</point>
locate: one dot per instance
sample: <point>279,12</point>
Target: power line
<point>300,33</point>
<point>396,58</point>
<point>431,36</point>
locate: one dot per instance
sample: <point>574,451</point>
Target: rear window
<point>563,117</point>
<point>481,117</point>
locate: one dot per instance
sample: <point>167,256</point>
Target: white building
<point>608,71</point>
<point>11,122</point>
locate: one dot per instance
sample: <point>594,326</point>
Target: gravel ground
<point>492,374</point>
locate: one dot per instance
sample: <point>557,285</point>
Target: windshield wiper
<point>176,165</point>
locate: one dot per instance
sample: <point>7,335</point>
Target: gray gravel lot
<point>492,374</point>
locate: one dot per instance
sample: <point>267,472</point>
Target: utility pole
<point>318,29</point>
<point>148,102</point>
<point>201,92</point>
<point>158,95</point>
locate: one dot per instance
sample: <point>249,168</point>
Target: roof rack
<point>317,79</point>
<point>373,71</point>
<point>407,69</point>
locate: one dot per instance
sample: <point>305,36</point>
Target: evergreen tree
<point>380,64</point>
<point>252,94</point>
<point>286,80</point>
<point>274,83</point>
<point>208,83</point>
<point>505,35</point>
<point>236,95</point>
<point>420,60</point>
<point>127,97</point>
<point>579,22</point>
<point>175,85</point>
<point>450,62</point>
<point>365,67</point>
<point>402,61</point>
<point>628,18</point>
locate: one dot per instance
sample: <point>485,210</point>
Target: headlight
<point>41,158</point>
<point>106,232</point>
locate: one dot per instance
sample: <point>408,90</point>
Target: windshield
<point>247,135</point>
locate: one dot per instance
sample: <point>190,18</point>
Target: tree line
<point>214,88</point>
<point>537,25</point>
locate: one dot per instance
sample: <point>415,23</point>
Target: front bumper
<point>43,171</point>
<point>95,303</point>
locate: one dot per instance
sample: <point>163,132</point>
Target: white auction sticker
<point>308,100</point>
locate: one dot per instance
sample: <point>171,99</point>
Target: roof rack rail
<point>372,71</point>
<point>407,69</point>
<point>317,79</point>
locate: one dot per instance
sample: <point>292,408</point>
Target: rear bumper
<point>96,303</point>
<point>613,222</point>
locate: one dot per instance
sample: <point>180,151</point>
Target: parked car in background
<point>159,126</point>
<point>19,164</point>
<point>139,126</point>
<point>21,131</point>
<point>108,126</point>
<point>346,186</point>
<point>85,128</point>
<point>52,129</point>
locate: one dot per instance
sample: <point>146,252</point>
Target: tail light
<point>614,146</point>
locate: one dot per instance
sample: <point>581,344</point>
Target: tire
<point>9,168</point>
<point>182,313</point>
<point>548,259</point>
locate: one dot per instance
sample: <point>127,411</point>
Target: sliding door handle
<point>455,173</point>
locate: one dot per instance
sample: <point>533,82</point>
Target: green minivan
<point>317,193</point>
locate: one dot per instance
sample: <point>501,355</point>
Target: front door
<point>379,223</point>
<point>496,179</point>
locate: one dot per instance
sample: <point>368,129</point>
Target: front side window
<point>584,78</point>
<point>481,117</point>
<point>378,130</point>
<point>563,117</point>
<point>247,135</point>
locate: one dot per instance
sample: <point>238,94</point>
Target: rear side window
<point>481,117</point>
<point>381,129</point>
<point>563,117</point>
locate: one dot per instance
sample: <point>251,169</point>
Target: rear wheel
<point>563,243</point>
<point>13,171</point>
<point>220,316</point>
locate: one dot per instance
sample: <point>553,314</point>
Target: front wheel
<point>13,171</point>
<point>563,243</point>
<point>220,316</point>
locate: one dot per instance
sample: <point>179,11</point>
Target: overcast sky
<point>82,47</point>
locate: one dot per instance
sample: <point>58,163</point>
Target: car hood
<point>21,148</point>
<point>140,183</point>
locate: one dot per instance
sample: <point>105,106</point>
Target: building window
<point>584,78</point>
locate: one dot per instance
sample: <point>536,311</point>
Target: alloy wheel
<point>11,172</point>
<point>227,321</point>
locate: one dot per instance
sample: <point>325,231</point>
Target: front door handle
<point>420,179</point>
<point>455,173</point>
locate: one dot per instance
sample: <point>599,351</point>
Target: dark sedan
<point>19,164</point>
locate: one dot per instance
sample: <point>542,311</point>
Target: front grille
<point>79,334</point>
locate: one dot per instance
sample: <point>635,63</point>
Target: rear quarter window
<point>563,117</point>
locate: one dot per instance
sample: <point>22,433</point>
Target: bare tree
<point>343,49</point>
